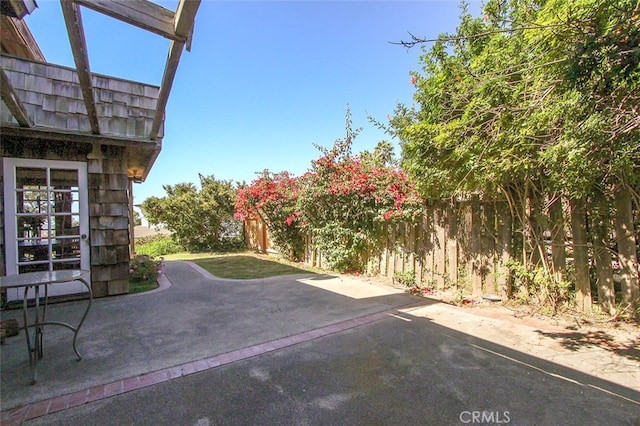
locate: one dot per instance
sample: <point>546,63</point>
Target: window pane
<point>61,266</point>
<point>65,225</point>
<point>66,248</point>
<point>65,202</point>
<point>31,177</point>
<point>33,226</point>
<point>33,268</point>
<point>31,200</point>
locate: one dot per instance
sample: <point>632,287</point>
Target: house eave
<point>140,153</point>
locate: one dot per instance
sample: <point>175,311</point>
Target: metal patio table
<point>45,279</point>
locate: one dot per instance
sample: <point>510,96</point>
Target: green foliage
<point>144,268</point>
<point>541,94</point>
<point>157,245</point>
<point>342,248</point>
<point>137,220</point>
<point>197,218</point>
<point>346,201</point>
<point>272,197</point>
<point>407,278</point>
<point>539,287</point>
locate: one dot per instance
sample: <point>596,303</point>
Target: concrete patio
<point>314,331</point>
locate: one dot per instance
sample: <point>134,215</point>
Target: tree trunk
<point>535,241</point>
<point>580,255</point>
<point>626,247</point>
<point>504,231</point>
<point>558,254</point>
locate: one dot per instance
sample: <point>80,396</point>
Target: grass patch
<point>241,266</point>
<point>142,286</point>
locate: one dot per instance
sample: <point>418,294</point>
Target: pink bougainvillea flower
<point>413,79</point>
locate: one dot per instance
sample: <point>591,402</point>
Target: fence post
<point>439,248</point>
<point>580,255</point>
<point>505,243</point>
<point>476,255</point>
<point>558,255</point>
<point>627,247</point>
<point>452,243</point>
<point>489,247</point>
<point>419,241</point>
<point>427,244</point>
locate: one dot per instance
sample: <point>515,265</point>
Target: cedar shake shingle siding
<point>52,98</point>
<point>108,206</point>
<point>114,126</point>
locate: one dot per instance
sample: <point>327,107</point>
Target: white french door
<point>46,219</point>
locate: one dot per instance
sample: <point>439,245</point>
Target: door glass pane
<point>48,218</point>
<point>32,199</point>
<point>65,225</point>
<point>61,266</point>
<point>65,202</point>
<point>33,267</point>
<point>66,248</point>
<point>31,177</point>
<point>33,226</point>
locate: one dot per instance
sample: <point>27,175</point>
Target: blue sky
<point>264,81</point>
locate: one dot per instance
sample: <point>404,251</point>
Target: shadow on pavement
<point>402,369</point>
<point>575,340</point>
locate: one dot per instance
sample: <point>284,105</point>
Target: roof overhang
<point>140,154</point>
<point>17,8</point>
<point>96,126</point>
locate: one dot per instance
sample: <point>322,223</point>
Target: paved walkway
<point>198,320</point>
<point>157,342</point>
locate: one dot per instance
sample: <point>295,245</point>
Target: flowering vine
<point>272,197</point>
<point>343,203</point>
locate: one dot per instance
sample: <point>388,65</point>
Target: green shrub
<point>144,268</point>
<point>157,245</point>
<point>407,278</point>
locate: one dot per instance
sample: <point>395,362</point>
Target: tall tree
<point>535,101</point>
<point>198,218</point>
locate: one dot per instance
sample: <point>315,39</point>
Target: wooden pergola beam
<point>73,21</point>
<point>184,20</point>
<point>140,13</point>
<point>12,101</point>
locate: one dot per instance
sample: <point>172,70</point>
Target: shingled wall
<point>108,201</point>
<point>52,97</point>
<point>109,221</point>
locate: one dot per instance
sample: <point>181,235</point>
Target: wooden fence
<point>256,235</point>
<point>469,245</point>
<point>461,244</point>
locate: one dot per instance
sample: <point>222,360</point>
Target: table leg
<point>37,337</point>
<point>77,329</point>
<point>25,316</point>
